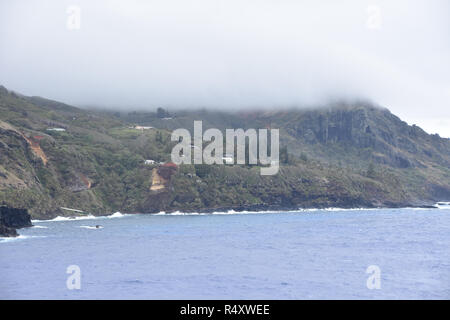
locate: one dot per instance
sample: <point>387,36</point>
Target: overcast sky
<point>232,54</point>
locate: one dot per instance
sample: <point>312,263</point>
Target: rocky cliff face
<point>361,134</point>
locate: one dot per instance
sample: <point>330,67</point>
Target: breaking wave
<point>443,205</point>
<point>439,205</point>
<point>91,227</point>
<point>87,217</point>
<point>20,237</point>
<point>230,212</point>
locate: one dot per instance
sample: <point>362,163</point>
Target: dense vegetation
<point>346,155</point>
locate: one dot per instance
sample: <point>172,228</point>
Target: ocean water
<point>312,254</point>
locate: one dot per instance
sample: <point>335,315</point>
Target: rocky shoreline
<point>275,208</point>
<point>12,219</point>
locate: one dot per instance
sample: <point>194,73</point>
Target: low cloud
<point>231,54</point>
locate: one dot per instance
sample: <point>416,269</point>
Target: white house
<point>149,161</point>
<point>142,128</point>
<point>228,159</point>
<point>56,129</point>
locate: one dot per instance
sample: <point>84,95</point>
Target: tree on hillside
<point>162,113</point>
<point>371,172</point>
<point>284,156</point>
<point>158,137</point>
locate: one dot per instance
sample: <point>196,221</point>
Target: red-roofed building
<point>167,170</point>
<point>169,165</point>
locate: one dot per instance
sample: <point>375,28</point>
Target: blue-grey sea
<point>309,254</point>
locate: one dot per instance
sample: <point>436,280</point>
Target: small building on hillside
<point>167,170</point>
<point>149,161</point>
<point>228,159</point>
<point>56,129</point>
<point>142,128</point>
<point>169,165</point>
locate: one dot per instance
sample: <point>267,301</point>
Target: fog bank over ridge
<point>138,55</point>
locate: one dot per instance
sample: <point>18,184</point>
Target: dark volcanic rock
<point>15,218</point>
<point>12,219</point>
<point>7,232</point>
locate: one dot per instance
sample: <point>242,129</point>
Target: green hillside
<point>348,155</point>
